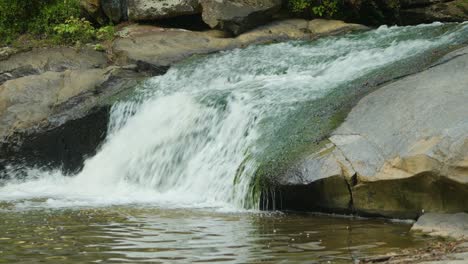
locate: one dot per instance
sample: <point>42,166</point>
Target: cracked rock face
<point>402,150</point>
<point>54,105</point>
<point>157,9</point>
<point>238,16</point>
<point>163,47</point>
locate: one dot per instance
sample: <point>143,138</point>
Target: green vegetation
<point>368,12</point>
<point>79,30</point>
<point>47,21</point>
<point>320,8</point>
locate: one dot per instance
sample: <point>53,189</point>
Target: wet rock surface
<point>401,150</point>
<point>238,16</point>
<point>162,47</point>
<point>446,225</point>
<point>54,104</point>
<point>443,11</point>
<point>51,59</point>
<point>56,119</point>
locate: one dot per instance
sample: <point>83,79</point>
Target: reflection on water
<point>142,234</point>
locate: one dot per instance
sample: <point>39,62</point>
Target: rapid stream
<point>195,136</point>
<point>182,152</point>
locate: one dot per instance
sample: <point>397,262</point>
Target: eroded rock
<point>238,16</point>
<point>115,10</point>
<point>58,118</point>
<point>158,9</point>
<point>52,59</point>
<point>36,100</point>
<point>163,47</point>
<point>446,225</point>
<point>402,150</point>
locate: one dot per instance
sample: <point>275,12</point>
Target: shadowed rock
<point>451,11</point>
<point>238,16</point>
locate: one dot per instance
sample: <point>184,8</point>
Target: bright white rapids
<point>182,137</point>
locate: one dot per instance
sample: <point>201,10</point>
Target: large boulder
<point>401,151</point>
<point>115,10</point>
<point>445,225</point>
<point>54,104</point>
<point>102,11</point>
<point>58,118</point>
<point>158,9</point>
<point>238,16</point>
<point>38,100</point>
<point>51,59</point>
<point>163,47</point>
<point>453,11</point>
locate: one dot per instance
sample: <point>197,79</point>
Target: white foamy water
<point>190,138</point>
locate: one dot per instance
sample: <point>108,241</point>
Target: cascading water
<point>196,135</point>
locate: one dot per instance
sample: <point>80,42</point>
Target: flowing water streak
<point>191,137</point>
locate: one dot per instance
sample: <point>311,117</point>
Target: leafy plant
<point>105,33</point>
<point>320,8</point>
<point>36,17</point>
<point>54,14</point>
<point>75,30</point>
<point>45,22</point>
<point>327,8</point>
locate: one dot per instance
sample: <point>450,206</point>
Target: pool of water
<point>131,234</point>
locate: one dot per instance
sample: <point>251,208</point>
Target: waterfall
<point>194,137</point>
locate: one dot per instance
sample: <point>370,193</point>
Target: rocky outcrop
<point>158,9</point>
<point>54,60</point>
<point>430,11</point>
<point>54,104</point>
<point>238,16</point>
<point>44,100</point>
<point>446,225</point>
<point>162,47</point>
<point>115,10</point>
<point>400,151</point>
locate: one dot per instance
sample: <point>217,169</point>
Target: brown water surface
<point>131,234</point>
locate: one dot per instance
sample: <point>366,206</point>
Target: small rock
<point>447,225</point>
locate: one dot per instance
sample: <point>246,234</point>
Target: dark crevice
<point>151,69</point>
<point>188,22</point>
<point>350,184</point>
<point>423,4</point>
